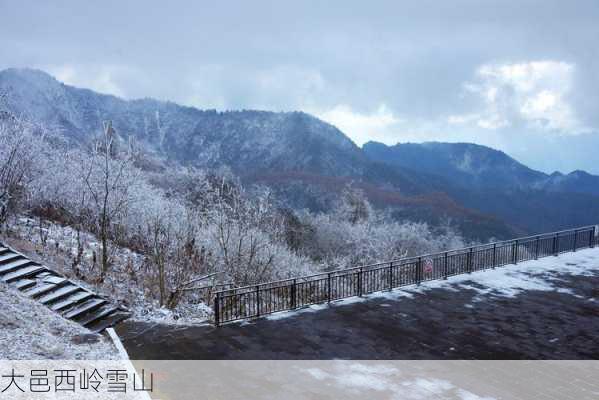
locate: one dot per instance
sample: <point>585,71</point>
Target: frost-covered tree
<point>337,242</point>
<point>108,177</point>
<point>18,147</point>
<point>353,206</point>
<point>192,229</point>
<point>176,263</point>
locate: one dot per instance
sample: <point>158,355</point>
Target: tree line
<point>193,228</point>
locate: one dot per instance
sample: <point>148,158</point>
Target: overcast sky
<point>521,76</point>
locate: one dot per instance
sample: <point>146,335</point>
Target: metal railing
<point>289,294</point>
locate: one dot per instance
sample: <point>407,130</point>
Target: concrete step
<point>54,279</point>
<point>109,321</point>
<point>4,258</point>
<point>44,288</point>
<point>23,273</point>
<point>97,315</point>
<point>72,301</point>
<point>14,265</point>
<point>24,284</point>
<point>44,275</point>
<point>85,308</point>
<point>59,294</point>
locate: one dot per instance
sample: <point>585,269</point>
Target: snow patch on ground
<point>121,284</point>
<point>507,281</point>
<point>183,315</point>
<point>31,331</point>
<point>285,314</point>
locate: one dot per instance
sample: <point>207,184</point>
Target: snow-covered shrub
<point>341,239</point>
<point>245,237</point>
<point>18,146</point>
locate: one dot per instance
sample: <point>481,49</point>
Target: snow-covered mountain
<point>305,160</point>
<point>479,167</point>
<point>252,143</point>
<point>489,180</point>
<point>204,138</point>
<point>466,164</point>
<point>576,181</point>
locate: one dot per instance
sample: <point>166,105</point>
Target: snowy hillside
<point>238,139</point>
<point>258,146</point>
<point>36,332</point>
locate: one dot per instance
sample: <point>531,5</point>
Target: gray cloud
<point>384,70</point>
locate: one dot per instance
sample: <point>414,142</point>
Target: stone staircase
<point>61,295</point>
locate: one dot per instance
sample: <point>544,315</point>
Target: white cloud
<point>362,127</point>
<point>276,88</point>
<point>100,78</point>
<point>533,94</point>
<point>284,78</point>
<point>492,121</point>
<point>487,120</point>
<point>460,119</point>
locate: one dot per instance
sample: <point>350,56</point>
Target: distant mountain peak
<point>465,163</point>
<point>579,173</point>
<point>477,166</point>
<point>28,74</point>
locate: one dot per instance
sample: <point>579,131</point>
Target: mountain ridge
<point>299,156</point>
<point>478,166</point>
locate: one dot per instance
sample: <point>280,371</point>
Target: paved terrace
<point>545,309</point>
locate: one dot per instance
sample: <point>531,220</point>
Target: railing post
<point>470,261</point>
<point>329,286</point>
<point>217,309</point>
<point>390,275</point>
<point>257,301</point>
<point>445,266</point>
<point>222,307</point>
<point>360,282</point>
<point>293,294</point>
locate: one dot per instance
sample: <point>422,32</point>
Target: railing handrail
<point>289,294</point>
<point>401,261</point>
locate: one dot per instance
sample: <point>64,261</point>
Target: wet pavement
<point>441,323</point>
